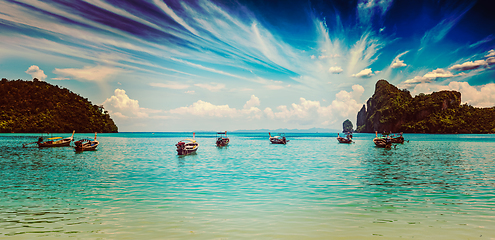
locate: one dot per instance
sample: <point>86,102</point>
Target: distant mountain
<point>285,130</point>
<point>36,107</point>
<point>394,110</point>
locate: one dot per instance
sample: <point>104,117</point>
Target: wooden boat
<point>86,144</point>
<point>187,146</point>
<point>53,142</point>
<point>278,139</point>
<point>384,141</point>
<point>222,141</point>
<point>397,138</point>
<point>347,139</point>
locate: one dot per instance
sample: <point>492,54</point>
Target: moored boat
<point>384,141</point>
<point>397,138</point>
<point>221,140</point>
<point>187,146</point>
<point>347,139</point>
<point>278,139</point>
<point>53,141</point>
<point>86,144</point>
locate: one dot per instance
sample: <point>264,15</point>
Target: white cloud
<point>438,73</point>
<point>469,65</point>
<point>431,76</point>
<point>97,73</point>
<point>36,72</point>
<point>122,106</point>
<point>479,96</point>
<point>202,108</point>
<point>397,63</point>
<point>365,73</point>
<point>335,70</point>
<point>491,53</point>
<point>190,92</point>
<point>211,87</point>
<point>253,102</point>
<point>484,97</point>
<point>171,85</point>
<point>206,109</point>
<point>307,112</point>
<point>490,60</point>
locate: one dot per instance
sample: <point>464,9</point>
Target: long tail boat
<point>397,138</point>
<point>187,146</point>
<point>222,141</point>
<point>53,141</point>
<point>86,144</point>
<point>347,139</point>
<point>383,142</point>
<point>278,139</point>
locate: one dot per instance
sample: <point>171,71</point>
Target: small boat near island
<point>221,140</point>
<point>86,144</point>
<point>53,142</point>
<point>383,141</point>
<point>347,139</point>
<point>397,138</point>
<point>187,146</point>
<point>278,139</point>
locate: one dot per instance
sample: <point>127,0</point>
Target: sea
<point>135,186</point>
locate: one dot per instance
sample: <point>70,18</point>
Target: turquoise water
<point>136,187</point>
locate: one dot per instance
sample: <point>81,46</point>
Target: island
<point>393,110</point>
<point>39,107</point>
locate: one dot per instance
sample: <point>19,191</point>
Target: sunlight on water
<point>135,186</point>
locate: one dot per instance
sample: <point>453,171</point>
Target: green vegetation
<point>36,106</point>
<point>391,109</point>
<point>347,126</point>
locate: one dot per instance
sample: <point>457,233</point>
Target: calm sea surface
<point>136,187</point>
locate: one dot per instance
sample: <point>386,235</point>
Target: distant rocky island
<point>394,110</point>
<point>38,107</point>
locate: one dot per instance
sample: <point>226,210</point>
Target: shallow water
<point>135,186</point>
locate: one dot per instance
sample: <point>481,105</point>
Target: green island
<point>38,107</point>
<point>393,110</point>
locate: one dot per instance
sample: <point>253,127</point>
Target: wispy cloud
<point>88,73</point>
<point>171,85</point>
<point>214,87</point>
<point>397,63</point>
<point>437,33</point>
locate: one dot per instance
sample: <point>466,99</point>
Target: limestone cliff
<point>394,110</point>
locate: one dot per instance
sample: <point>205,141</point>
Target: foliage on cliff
<point>36,106</point>
<point>391,109</point>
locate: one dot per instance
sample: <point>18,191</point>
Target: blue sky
<point>227,65</point>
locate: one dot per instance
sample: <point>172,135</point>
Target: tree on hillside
<point>37,106</point>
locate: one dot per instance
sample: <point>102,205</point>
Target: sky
<point>243,65</point>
